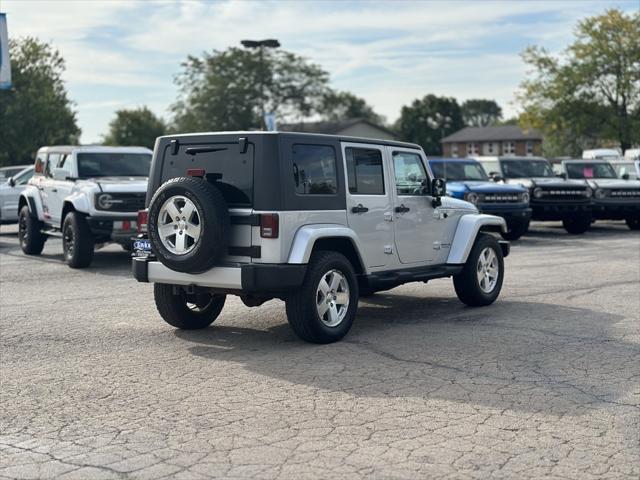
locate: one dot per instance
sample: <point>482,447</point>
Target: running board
<point>52,233</point>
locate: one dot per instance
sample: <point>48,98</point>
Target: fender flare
<point>306,237</point>
<point>31,197</point>
<point>79,201</point>
<point>466,232</point>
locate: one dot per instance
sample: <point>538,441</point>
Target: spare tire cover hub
<point>179,225</point>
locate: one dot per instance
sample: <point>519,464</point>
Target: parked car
<point>467,180</point>
<point>12,171</point>
<point>602,154</point>
<point>310,219</point>
<point>614,198</point>
<point>88,196</point>
<point>632,154</point>
<point>627,169</point>
<point>552,198</point>
<point>10,193</point>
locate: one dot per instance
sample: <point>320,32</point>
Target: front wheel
<point>324,308</point>
<point>480,281</point>
<point>576,225</point>
<point>515,230</point>
<point>187,311</point>
<point>633,223</point>
<point>77,240</point>
<point>30,233</point>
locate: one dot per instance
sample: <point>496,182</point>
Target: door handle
<point>359,209</point>
<point>402,209</point>
<point>54,190</point>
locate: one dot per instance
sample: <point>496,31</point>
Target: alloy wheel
<point>488,270</point>
<point>179,225</point>
<point>332,298</point>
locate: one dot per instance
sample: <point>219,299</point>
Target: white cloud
<point>388,52</point>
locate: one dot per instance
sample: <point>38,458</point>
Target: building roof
<point>330,128</point>
<point>489,134</point>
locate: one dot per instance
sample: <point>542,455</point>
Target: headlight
<point>472,197</point>
<point>525,197</point>
<point>588,193</point>
<point>600,193</point>
<point>105,201</point>
<point>537,192</point>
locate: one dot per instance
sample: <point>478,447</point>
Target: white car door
<point>52,200</point>
<point>369,205</point>
<point>417,232</point>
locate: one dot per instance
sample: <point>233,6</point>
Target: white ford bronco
<point>88,196</point>
<point>315,220</point>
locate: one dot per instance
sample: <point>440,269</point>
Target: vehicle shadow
<point>549,358</point>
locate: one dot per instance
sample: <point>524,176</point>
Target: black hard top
<point>302,137</point>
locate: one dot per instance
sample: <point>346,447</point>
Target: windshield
<point>113,164</point>
<point>457,171</point>
<point>590,170</point>
<point>526,168</point>
<point>628,168</point>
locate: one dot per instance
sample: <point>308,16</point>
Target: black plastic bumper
<point>519,215</point>
<point>616,212</point>
<point>559,211</point>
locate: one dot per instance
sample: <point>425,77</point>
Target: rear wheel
<point>324,308</point>
<point>633,223</point>
<point>577,225</point>
<point>187,311</point>
<point>30,233</point>
<point>515,229</point>
<point>77,241</point>
<point>480,281</point>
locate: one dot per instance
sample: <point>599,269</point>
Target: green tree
<point>481,113</point>
<point>337,106</point>
<point>36,111</point>
<point>426,121</point>
<point>138,126</point>
<point>590,95</point>
<point>227,90</point>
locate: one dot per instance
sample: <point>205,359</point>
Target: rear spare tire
<point>188,224</point>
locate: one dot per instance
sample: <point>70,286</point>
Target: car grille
<point>500,198</point>
<point>124,202</point>
<point>624,193</point>
<point>563,193</point>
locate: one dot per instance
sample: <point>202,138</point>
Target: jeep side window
<point>52,162</point>
<point>314,169</point>
<point>410,173</point>
<point>364,171</point>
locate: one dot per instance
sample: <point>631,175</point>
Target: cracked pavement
<point>544,383</point>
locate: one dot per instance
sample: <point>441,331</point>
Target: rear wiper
<point>194,150</point>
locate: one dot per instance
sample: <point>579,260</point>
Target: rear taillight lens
<point>143,220</point>
<point>269,225</point>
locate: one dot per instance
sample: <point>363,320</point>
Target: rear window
<point>314,169</point>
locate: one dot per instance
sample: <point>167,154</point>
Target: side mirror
<point>495,176</point>
<point>438,190</point>
<point>625,176</point>
<point>11,182</point>
<point>60,174</point>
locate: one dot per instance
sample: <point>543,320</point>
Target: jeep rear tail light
<point>143,220</point>
<point>269,225</point>
<point>195,172</point>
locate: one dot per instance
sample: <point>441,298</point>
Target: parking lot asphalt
<point>544,383</point>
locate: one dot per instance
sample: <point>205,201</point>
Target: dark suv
<point>552,197</point>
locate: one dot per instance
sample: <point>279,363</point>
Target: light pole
<point>261,45</point>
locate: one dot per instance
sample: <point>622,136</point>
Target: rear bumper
<point>267,278</point>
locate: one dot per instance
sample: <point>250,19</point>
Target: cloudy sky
<point>123,54</point>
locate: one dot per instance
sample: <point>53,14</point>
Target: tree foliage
<point>426,121</point>
<point>338,106</point>
<point>135,127</point>
<point>36,111</point>
<point>590,95</point>
<point>225,90</point>
<point>481,113</point>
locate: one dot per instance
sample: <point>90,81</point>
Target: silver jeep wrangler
<point>315,220</point>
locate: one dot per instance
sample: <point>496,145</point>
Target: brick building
<point>503,140</point>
